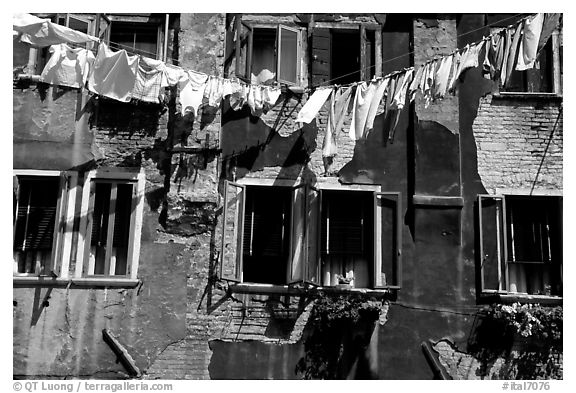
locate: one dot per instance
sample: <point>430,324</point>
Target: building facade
<point>187,246</point>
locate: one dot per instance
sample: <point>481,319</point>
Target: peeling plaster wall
<point>179,324</point>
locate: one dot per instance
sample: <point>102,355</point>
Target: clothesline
<point>122,77</point>
<point>435,58</point>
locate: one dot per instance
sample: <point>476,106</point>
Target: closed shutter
<point>36,213</point>
<point>320,56</point>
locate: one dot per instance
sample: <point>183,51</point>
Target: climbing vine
<point>528,336</point>
<point>339,326</point>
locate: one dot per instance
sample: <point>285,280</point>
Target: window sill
<point>527,95</point>
<point>298,290</point>
<point>509,298</point>
<point>75,282</point>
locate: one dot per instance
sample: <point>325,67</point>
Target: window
<point>111,221</point>
<point>343,55</point>
<point>268,54</point>
<point>42,222</point>
<point>539,79</point>
<point>282,235</point>
<point>136,38</point>
<point>546,76</point>
<point>521,244</point>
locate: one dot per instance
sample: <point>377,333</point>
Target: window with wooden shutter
<point>35,223</point>
<point>520,244</point>
<point>111,221</point>
<point>387,240</point>
<point>344,56</point>
<point>347,240</point>
<point>43,216</point>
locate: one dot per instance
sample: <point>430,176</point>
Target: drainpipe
<point>166,38</point>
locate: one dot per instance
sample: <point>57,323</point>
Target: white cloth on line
<point>67,66</point>
<point>529,44</point>
<point>308,112</point>
<point>113,74</point>
<point>191,91</point>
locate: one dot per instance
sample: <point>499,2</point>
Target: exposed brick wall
<point>520,143</point>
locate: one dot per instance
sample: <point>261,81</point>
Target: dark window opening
<point>266,238</point>
<point>345,56</point>
<point>539,79</point>
<point>35,215</point>
<point>534,244</point>
<point>347,237</point>
<point>263,55</point>
<point>136,38</point>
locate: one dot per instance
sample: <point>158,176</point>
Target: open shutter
<point>232,229</point>
<point>387,240</point>
<point>492,239</point>
<point>60,225</point>
<point>313,203</point>
<point>320,56</point>
<point>243,49</point>
<point>297,268</point>
<point>288,54</point>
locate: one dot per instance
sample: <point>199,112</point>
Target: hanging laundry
<point>42,32</point>
<point>529,44</point>
<point>397,104</point>
<point>148,86</point>
<point>364,94</point>
<point>548,26</point>
<point>468,59</point>
<point>442,76</point>
<point>402,91</point>
<point>330,145</point>
<point>513,52</point>
<point>173,75</point>
<point>415,85</point>
<point>269,96</point>
<point>381,85</point>
<point>214,90</point>
<point>312,106</point>
<point>428,82</point>
<point>239,95</point>
<point>255,100</point>
<point>113,74</point>
<point>342,109</point>
<point>67,66</point>
<point>507,42</point>
<point>453,73</point>
<point>191,89</point>
<point>226,88</point>
<point>494,51</point>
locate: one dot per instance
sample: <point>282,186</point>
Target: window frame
<point>63,224</point>
<point>555,69</point>
<point>502,253</point>
<point>114,176</point>
<point>325,31</point>
<point>304,264</point>
<point>160,33</point>
<point>245,32</point>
